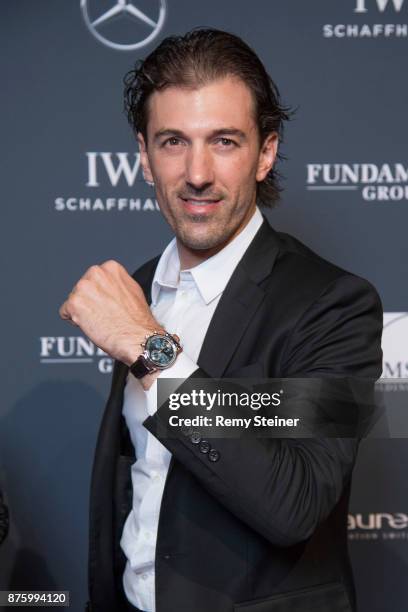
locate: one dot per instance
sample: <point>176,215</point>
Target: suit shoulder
<point>315,269</point>
<point>295,251</point>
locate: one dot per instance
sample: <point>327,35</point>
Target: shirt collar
<point>212,275</point>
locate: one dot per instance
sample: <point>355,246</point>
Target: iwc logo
<point>124,26</point>
<point>361,5</point>
<point>112,178</point>
<point>373,19</point>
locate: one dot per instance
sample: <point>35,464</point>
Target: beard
<point>212,233</point>
<point>203,231</point>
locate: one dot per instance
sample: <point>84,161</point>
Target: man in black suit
<point>179,523</point>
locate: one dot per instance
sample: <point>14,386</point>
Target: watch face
<point>161,351</point>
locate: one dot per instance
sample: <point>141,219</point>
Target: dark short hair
<point>195,59</point>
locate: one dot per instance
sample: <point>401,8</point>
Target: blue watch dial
<point>160,351</point>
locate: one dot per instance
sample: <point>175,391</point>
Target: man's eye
<point>226,142</point>
<point>173,141</point>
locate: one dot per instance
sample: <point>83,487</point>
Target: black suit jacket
<point>263,529</point>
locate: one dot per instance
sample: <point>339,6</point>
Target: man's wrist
<point>148,380</point>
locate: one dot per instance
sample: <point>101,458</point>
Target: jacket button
<point>213,455</point>
<point>195,437</point>
<point>205,446</point>
<point>186,431</point>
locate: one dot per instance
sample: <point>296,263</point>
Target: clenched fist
<point>110,308</point>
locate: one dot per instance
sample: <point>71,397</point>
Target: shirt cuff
<point>183,367</point>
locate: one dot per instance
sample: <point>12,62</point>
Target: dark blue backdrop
<point>73,195</point>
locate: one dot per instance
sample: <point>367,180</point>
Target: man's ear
<point>267,155</point>
<point>144,160</point>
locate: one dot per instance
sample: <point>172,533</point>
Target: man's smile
<point>197,205</point>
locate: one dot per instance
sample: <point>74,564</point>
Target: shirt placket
<point>183,301</point>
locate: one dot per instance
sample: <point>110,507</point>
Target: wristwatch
<point>160,352</point>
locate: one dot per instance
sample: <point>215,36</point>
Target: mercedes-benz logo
<point>128,9</point>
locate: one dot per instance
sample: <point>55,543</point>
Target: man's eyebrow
<point>168,132</point>
<point>227,131</point>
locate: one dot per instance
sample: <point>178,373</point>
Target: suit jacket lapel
<point>239,302</point>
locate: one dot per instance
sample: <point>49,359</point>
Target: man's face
<point>204,155</point>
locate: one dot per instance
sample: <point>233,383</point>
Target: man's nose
<point>199,168</point>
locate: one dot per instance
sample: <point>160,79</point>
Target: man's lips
<point>200,205</point>
<point>200,202</point>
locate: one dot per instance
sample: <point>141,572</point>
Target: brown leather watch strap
<point>141,368</point>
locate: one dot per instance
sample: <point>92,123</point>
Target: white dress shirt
<point>183,302</point>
